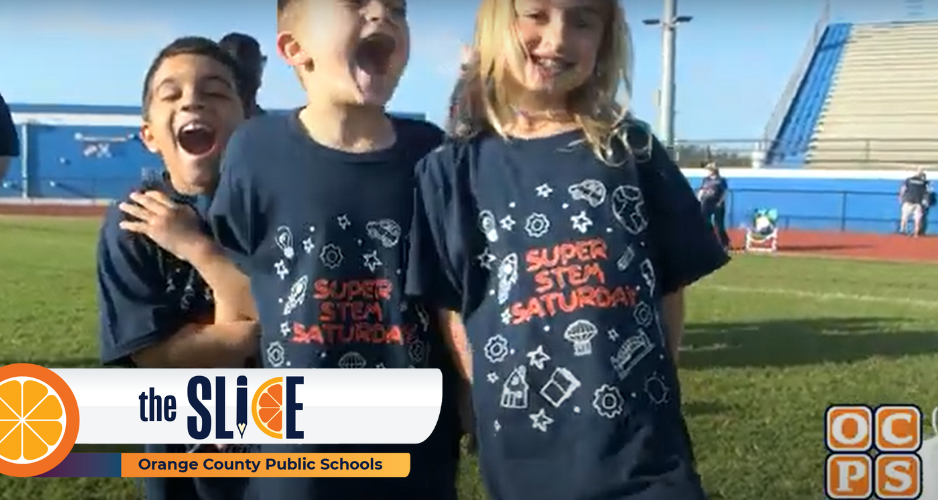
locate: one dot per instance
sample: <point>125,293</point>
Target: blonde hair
<point>594,104</point>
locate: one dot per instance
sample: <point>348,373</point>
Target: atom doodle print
<point>574,289</point>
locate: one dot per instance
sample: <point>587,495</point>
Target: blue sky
<point>734,59</point>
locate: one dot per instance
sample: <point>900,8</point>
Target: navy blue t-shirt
<point>915,190</point>
<point>557,263</point>
<point>145,295</point>
<point>712,190</point>
<point>9,141</point>
<point>322,235</point>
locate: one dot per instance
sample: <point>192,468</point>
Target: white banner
<point>335,406</point>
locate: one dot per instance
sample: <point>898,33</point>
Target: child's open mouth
<point>550,67</point>
<point>373,55</point>
<point>197,138</point>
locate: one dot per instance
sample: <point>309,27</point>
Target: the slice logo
<point>894,432</point>
<point>38,420</point>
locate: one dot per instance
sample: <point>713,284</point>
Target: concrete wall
<point>856,201</point>
<point>77,152</point>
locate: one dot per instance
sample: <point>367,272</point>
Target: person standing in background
<point>9,142</point>
<point>712,196</point>
<point>247,51</point>
<point>914,196</point>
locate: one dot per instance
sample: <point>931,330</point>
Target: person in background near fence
<point>914,197</point>
<point>167,295</point>
<point>712,196</point>
<point>9,142</point>
<point>247,51</point>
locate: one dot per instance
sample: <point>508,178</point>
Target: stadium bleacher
<point>868,99</point>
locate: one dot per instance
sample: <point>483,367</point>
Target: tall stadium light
<point>669,22</point>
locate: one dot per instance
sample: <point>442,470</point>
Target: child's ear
<point>291,51</point>
<point>146,135</point>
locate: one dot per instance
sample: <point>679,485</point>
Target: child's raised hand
<point>173,226</point>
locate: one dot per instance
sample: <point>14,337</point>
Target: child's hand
<point>174,227</point>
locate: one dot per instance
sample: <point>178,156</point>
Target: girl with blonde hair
<point>556,237</point>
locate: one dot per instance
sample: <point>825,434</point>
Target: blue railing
<point>794,81</point>
<point>798,126</point>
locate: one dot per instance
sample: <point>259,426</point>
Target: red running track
<point>853,245</point>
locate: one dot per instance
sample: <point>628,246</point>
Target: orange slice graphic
<point>267,408</point>
<point>38,420</point>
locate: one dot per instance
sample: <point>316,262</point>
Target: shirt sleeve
<point>9,141</point>
<point>133,309</point>
<point>438,267</point>
<point>231,213</point>
<point>685,248</point>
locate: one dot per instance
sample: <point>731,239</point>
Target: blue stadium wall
<point>80,152</point>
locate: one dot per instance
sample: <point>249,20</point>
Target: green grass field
<point>771,343</point>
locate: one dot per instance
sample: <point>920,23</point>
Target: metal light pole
<point>669,23</point>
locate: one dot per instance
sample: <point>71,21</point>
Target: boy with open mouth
<point>168,297</point>
<point>316,206</point>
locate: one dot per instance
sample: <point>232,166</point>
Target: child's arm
<point>137,324</point>
<point>437,256</point>
<point>178,229</point>
<point>677,224</point>
<point>672,315</point>
<point>454,334</point>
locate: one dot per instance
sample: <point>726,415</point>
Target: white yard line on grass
<point>831,296</point>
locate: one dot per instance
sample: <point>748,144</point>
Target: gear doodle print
<point>608,401</point>
<point>507,277</point>
<point>297,295</point>
<point>276,354</point>
<point>331,256</point>
<point>536,225</point>
<point>385,231</point>
<point>284,240</point>
<point>515,390</point>
<point>627,207</point>
<point>496,349</point>
<point>643,314</point>
<point>488,225</point>
<point>590,191</point>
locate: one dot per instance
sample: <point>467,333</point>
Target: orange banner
<point>265,465</point>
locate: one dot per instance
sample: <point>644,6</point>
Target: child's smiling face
<point>192,110</point>
<point>561,41</point>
